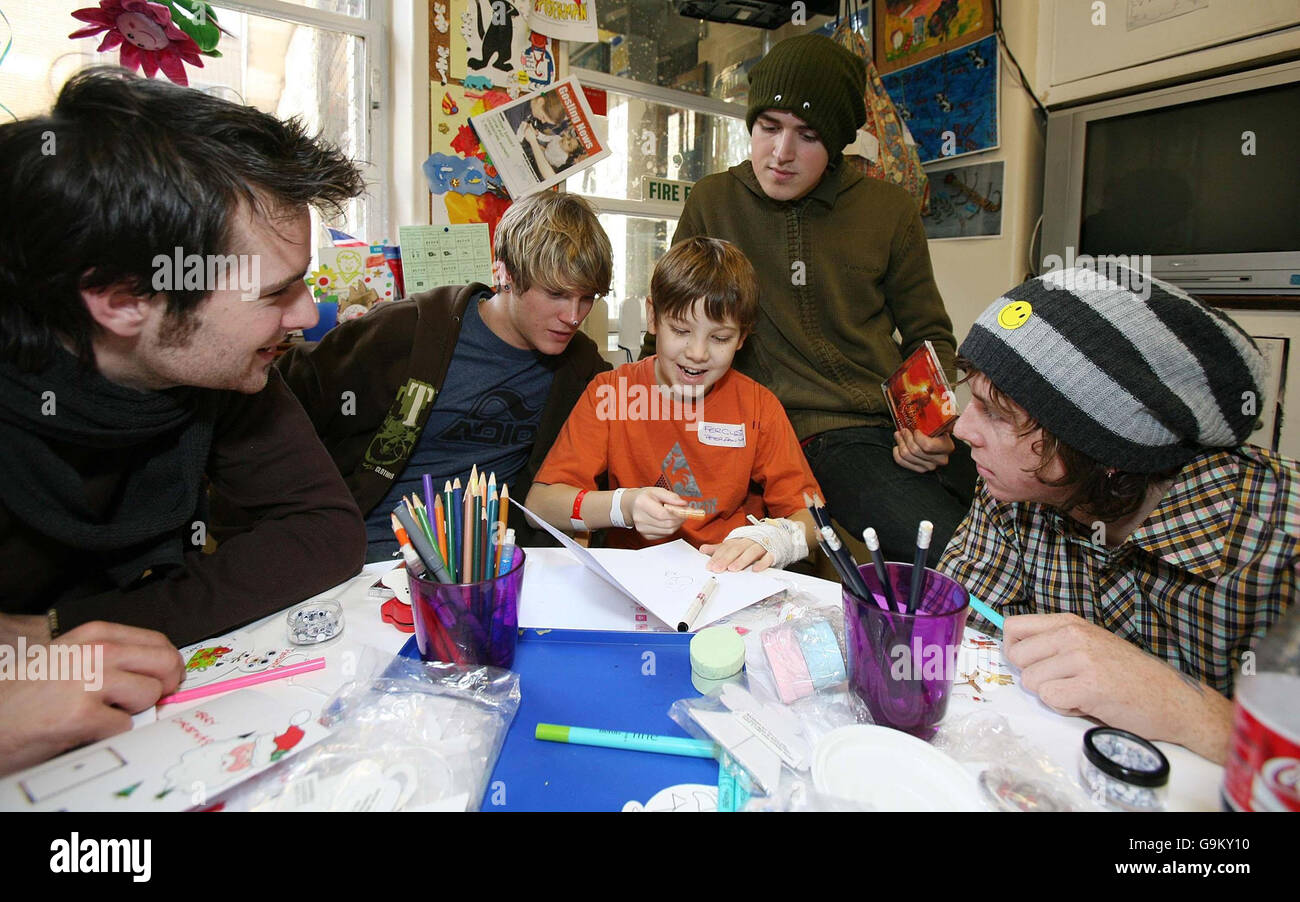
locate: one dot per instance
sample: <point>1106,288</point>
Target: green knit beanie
<point>817,80</point>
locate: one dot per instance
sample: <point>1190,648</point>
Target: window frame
<point>671,97</point>
<point>372,27</point>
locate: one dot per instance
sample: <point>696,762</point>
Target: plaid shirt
<point>1197,584</point>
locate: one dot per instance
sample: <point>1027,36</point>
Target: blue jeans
<point>864,487</point>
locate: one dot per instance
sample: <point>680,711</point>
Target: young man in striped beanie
<point>1135,544</point>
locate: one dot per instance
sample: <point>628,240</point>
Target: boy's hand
<point>656,513</point>
<point>737,554</point>
<point>917,451</point>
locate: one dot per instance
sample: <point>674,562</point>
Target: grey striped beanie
<point>1138,383</point>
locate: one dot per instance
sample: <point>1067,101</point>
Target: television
<point>1202,177</point>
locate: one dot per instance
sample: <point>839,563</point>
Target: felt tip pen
<point>619,739</point>
<point>986,612</point>
<point>701,599</point>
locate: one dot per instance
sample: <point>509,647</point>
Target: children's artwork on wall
<point>440,31</point>
<point>494,44</point>
<point>464,185</point>
<point>965,202</point>
<point>950,102</point>
<point>564,20</point>
<point>909,31</point>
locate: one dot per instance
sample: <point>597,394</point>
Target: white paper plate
<point>891,771</point>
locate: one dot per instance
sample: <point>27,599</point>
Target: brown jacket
<point>304,536</point>
<point>356,386</point>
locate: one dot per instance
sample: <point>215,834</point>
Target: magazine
<point>919,395</point>
<point>542,138</point>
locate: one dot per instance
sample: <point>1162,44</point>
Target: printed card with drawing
<point>231,656</point>
<point>178,763</point>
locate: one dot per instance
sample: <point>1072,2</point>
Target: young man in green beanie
<point>842,262</point>
<point>1135,545</point>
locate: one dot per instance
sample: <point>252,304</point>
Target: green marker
<point>619,739</point>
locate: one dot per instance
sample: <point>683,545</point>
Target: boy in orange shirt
<point>684,418</point>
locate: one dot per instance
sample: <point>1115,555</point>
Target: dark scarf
<point>67,406</point>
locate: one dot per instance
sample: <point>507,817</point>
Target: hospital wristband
<point>616,509</point>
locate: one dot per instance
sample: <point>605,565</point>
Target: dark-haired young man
<point>154,259</point>
<point>842,264</point>
<point>1136,546</point>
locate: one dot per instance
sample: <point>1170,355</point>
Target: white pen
<point>701,599</point>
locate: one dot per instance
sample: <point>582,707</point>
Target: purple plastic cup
<point>469,623</point>
<point>902,666</point>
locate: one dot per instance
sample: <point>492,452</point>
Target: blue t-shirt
<point>486,415</point>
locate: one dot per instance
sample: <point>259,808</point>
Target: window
<point>675,92</point>
<point>307,58</point>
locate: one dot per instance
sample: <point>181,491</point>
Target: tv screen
<point>1184,180</point>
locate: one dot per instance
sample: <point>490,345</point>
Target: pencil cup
<point>902,666</point>
<point>474,623</point>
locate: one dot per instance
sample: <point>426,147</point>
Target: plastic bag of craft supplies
<point>407,736</point>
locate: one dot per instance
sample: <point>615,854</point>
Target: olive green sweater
<point>838,271</point>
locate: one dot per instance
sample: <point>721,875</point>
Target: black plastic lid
<point>1156,777</point>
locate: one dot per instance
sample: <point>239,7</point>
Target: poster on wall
<point>463,184</point>
<point>541,139</point>
<point>564,20</point>
<point>910,31</point>
<point>950,102</point>
<point>497,47</point>
<point>965,202</point>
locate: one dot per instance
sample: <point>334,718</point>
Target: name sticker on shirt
<point>722,435</point>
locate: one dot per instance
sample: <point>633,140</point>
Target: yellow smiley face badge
<point>1015,314</point>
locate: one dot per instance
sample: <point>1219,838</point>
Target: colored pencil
<point>440,532</point>
<point>450,516</point>
<point>476,515</point>
<point>467,536</point>
<point>429,493</point>
<point>457,516</point>
<point>503,508</point>
<point>422,517</point>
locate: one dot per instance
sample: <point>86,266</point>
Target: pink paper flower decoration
<point>150,41</point>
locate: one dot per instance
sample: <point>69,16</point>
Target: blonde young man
<point>464,375</point>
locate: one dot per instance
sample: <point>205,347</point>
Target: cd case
<point>919,395</point>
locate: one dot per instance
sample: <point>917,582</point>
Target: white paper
<point>668,577</point>
<point>561,593</point>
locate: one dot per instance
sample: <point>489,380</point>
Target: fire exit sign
<point>665,190</point>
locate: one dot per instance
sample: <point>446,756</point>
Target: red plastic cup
<point>469,623</point>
